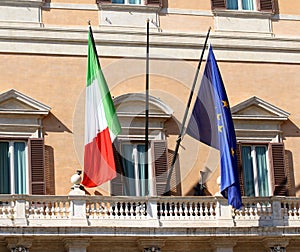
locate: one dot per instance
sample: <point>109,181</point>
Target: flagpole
<point>178,141</point>
<point>147,104</point>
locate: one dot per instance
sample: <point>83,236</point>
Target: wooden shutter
<point>175,186</point>
<point>103,1</point>
<point>289,168</point>
<point>266,5</point>
<point>49,170</point>
<point>277,160</point>
<point>160,164</point>
<point>117,184</point>
<point>154,2</point>
<point>37,166</point>
<point>218,4</point>
<point>240,168</point>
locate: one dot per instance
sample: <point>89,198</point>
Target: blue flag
<point>211,123</point>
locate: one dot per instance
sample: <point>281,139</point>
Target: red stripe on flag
<point>99,160</point>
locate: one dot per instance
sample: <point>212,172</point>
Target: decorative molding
<point>68,6</point>
<point>20,115</point>
<point>19,3</point>
<point>14,102</point>
<point>157,105</point>
<point>257,109</point>
<point>130,42</point>
<point>256,120</point>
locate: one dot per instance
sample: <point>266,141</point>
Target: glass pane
<point>247,5</point>
<point>232,4</point>
<point>134,1</point>
<point>143,172</point>
<point>118,1</point>
<point>262,170</point>
<point>248,171</point>
<point>20,167</point>
<point>4,168</point>
<point>128,166</point>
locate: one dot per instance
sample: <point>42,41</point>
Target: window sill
<point>242,14</point>
<point>129,7</point>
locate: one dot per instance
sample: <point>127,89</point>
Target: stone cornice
<point>187,46</point>
<point>29,3</point>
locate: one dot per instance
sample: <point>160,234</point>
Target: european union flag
<point>211,123</point>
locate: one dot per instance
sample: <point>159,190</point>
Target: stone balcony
<point>141,218</point>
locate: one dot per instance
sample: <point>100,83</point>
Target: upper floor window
<point>127,2</point>
<point>240,4</point>
<point>250,5</point>
<point>138,2</point>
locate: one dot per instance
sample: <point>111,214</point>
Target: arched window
<point>134,177</point>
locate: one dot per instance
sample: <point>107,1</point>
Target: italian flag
<point>101,124</point>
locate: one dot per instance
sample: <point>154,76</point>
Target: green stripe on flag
<point>94,72</point>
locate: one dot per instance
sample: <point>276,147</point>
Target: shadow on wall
<point>290,129</point>
<point>53,124</point>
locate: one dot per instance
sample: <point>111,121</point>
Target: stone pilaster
<point>76,245</point>
<point>222,245</point>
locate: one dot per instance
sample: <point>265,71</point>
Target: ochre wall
<point>59,83</point>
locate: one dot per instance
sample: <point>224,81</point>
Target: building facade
<point>43,62</point>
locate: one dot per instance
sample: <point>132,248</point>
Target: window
<point>136,182</point>
<point>251,5</point>
<point>127,1</point>
<point>262,170</point>
<point>134,178</point>
<point>22,149</point>
<point>263,162</point>
<point>240,4</point>
<point>255,170</point>
<point>13,167</point>
<point>139,2</point>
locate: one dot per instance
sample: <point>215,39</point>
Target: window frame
<point>255,166</point>
<point>130,110</point>
<point>25,116</point>
<point>266,6</point>
<point>240,5</point>
<point>136,168</point>
<point>11,153</point>
<point>126,2</point>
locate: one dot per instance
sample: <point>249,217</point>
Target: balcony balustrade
<point>56,211</point>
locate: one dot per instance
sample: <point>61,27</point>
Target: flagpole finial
<point>89,22</point>
<point>148,20</point>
